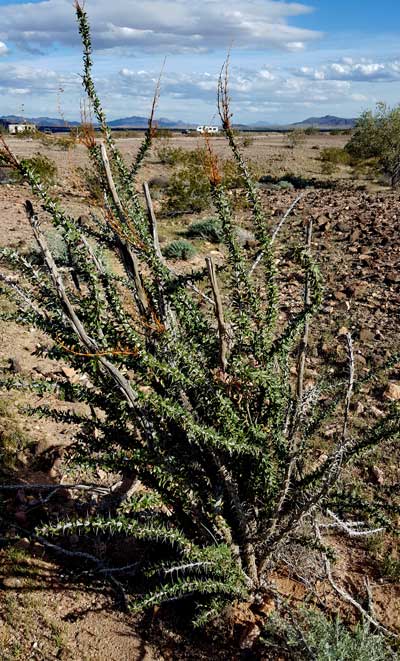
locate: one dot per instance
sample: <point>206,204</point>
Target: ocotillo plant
<point>191,391</point>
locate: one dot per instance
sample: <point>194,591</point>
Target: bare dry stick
<point>128,255</point>
<point>219,313</point>
<point>20,292</point>
<point>344,594</point>
<point>276,231</point>
<point>300,388</point>
<point>304,341</point>
<point>69,311</point>
<point>285,216</point>
<point>350,387</point>
<point>26,486</point>
<point>152,219</point>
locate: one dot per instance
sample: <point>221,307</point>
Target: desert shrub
<point>390,567</point>
<point>195,387</point>
<point>57,245</point>
<point>188,190</point>
<point>247,141</point>
<point>329,168</point>
<point>295,138</point>
<point>335,155</point>
<point>377,135</point>
<point>232,177</point>
<point>312,635</point>
<point>179,249</point>
<point>348,131</point>
<point>42,167</point>
<point>209,228</point>
<point>65,142</point>
<point>171,155</point>
<point>311,130</point>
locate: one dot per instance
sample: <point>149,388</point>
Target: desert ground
<point>45,611</point>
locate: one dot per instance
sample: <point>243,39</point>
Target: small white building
<point>21,128</point>
<point>207,129</point>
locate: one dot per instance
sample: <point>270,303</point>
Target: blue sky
<point>290,60</point>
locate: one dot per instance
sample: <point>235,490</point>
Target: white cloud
<point>3,49</point>
<point>260,88</point>
<point>189,95</point>
<point>161,25</point>
<point>357,71</point>
<point>23,79</point>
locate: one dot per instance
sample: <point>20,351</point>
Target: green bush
<point>42,167</point>
<point>315,636</point>
<point>171,155</point>
<point>209,228</point>
<point>188,190</point>
<point>336,156</point>
<point>377,136</point>
<point>232,177</point>
<point>58,248</point>
<point>179,249</point>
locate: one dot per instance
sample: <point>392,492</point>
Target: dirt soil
<point>44,615</point>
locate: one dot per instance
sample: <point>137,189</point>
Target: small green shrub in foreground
<point>179,249</point>
<point>43,167</point>
<point>313,636</point>
<point>209,228</point>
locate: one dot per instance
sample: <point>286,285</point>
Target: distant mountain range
<point>39,121</point>
<point>138,122</point>
<point>328,121</point>
<point>126,122</point>
<point>142,122</point>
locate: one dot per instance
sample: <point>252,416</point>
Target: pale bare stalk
<point>276,232</point>
<point>152,219</point>
<point>344,594</point>
<point>219,313</point>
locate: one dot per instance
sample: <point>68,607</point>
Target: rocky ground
<point>43,615</point>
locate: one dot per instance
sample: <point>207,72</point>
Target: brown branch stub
<point>219,313</point>
<point>87,134</point>
<point>6,151</point>
<point>211,163</point>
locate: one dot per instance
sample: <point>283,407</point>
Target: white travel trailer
<point>207,129</point>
